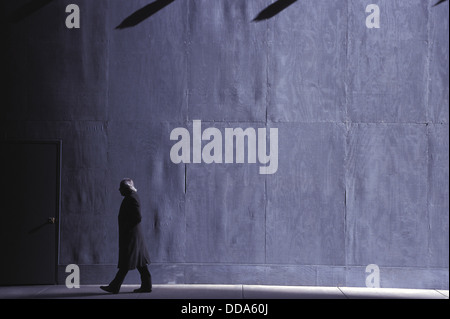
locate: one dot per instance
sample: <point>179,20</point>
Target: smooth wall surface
<point>362,118</point>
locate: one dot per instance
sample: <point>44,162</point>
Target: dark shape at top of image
<point>439,2</point>
<point>144,13</point>
<point>274,9</point>
<point>27,10</point>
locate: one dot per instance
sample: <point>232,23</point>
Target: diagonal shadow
<point>439,2</point>
<point>37,228</point>
<point>144,13</point>
<point>27,10</point>
<point>273,10</point>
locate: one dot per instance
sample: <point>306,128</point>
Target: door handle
<point>51,220</point>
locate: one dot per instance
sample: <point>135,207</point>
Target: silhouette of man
<point>132,249</point>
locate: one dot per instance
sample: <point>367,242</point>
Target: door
<point>29,212</point>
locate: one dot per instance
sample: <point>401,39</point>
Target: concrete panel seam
<point>342,292</point>
<point>428,66</point>
<point>446,296</point>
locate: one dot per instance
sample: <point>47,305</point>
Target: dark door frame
<point>58,144</point>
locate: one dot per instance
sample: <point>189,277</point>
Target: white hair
<point>128,183</point>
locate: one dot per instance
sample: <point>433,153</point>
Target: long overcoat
<point>132,248</point>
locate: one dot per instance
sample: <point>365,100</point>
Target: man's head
<point>127,186</point>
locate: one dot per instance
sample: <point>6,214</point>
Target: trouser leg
<point>118,280</point>
<point>146,277</point>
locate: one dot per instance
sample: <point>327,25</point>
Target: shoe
<point>140,290</point>
<point>110,289</point>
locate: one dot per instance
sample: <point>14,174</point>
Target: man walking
<point>132,248</point>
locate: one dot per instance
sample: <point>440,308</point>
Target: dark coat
<point>132,248</point>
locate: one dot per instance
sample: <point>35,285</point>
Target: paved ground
<point>219,292</point>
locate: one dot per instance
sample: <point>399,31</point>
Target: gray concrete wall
<point>363,128</point>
